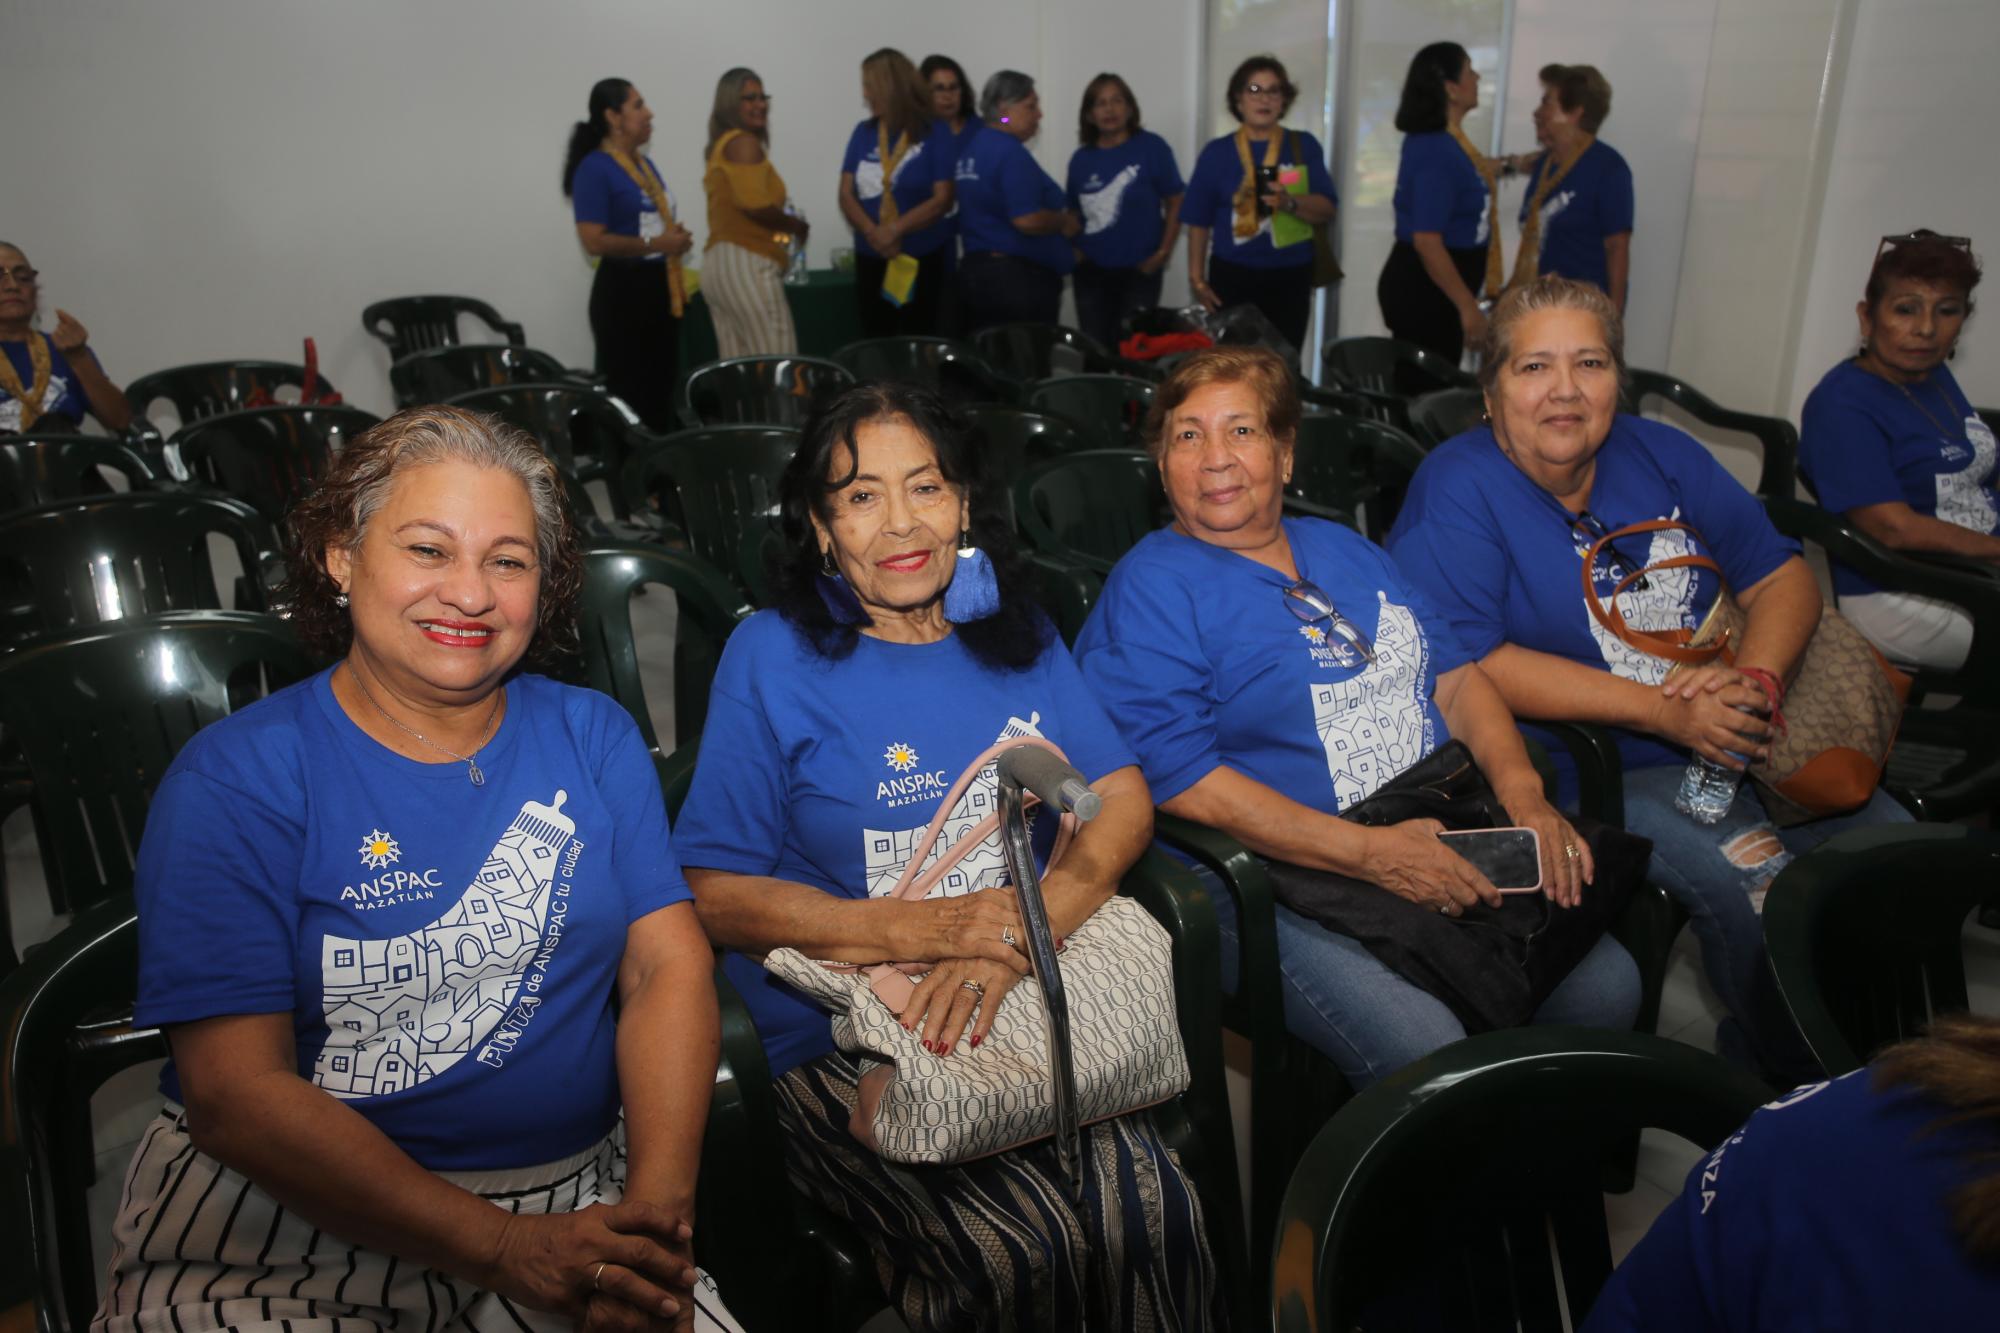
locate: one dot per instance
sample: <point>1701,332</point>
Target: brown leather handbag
<point>1841,710</point>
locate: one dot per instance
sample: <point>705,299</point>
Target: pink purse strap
<point>916,882</point>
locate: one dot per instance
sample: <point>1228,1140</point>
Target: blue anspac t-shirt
<point>1120,192</point>
<point>1827,1212</point>
<point>1502,559</point>
<point>1211,198</point>
<point>1196,656</point>
<point>1438,189</point>
<point>604,194</point>
<point>826,772</point>
<point>926,162</point>
<point>1593,200</point>
<point>998,181</point>
<point>1863,441</point>
<point>63,397</point>
<point>448,953</point>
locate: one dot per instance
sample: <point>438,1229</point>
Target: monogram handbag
<point>1841,709</point>
<point>1124,1032</point>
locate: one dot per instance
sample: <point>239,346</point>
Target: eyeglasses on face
<point>1910,238</point>
<point>21,274</point>
<point>1266,89</point>
<point>1306,602</point>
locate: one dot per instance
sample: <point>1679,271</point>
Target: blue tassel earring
<point>973,594</point>
<point>841,603</point>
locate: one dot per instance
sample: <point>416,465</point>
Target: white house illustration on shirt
<point>1665,603</point>
<point>1376,723</point>
<point>884,852</point>
<point>403,1010</point>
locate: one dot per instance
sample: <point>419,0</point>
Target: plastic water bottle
<point>1708,789</point>
<point>796,273</point>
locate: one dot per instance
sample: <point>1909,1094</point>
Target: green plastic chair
<point>1087,509</point>
<point>81,563</point>
<point>209,388</point>
<point>438,374</point>
<point>268,457</point>
<point>1066,592</point>
<point>953,369</point>
<point>760,390</point>
<point>1391,366</point>
<point>707,608</point>
<point>714,484</point>
<point>1030,351</point>
<point>1443,413</point>
<point>407,324</point>
<point>589,433</point>
<point>41,467</point>
<point>1465,1189</point>
<point>1863,934</point>
<point>1777,437</point>
<point>1352,470</point>
<point>1111,407</point>
<point>1016,438</point>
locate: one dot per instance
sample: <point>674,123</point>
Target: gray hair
<point>1004,86</point>
<point>1549,292</point>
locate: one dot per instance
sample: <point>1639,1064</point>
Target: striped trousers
<point>746,298</point>
<point>196,1246</point>
<point>997,1244</point>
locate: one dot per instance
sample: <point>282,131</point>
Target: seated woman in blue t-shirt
<point>416,935</point>
<point>1012,223</point>
<point>904,645</point>
<point>1495,530</point>
<point>1241,184</point>
<point>48,381</point>
<point>1271,672</point>
<point>1889,439</point>
<point>1576,217</point>
<point>1126,187</point>
<point>895,189</point>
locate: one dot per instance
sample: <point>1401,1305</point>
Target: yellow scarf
<point>1496,272</point>
<point>29,396</point>
<point>1528,260</point>
<point>650,183</point>
<point>1246,194</point>
<point>891,159</point>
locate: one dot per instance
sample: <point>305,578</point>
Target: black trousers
<point>1416,309</point>
<point>1104,296</point>
<point>638,338</point>
<point>919,316</point>
<point>1283,294</point>
<point>1007,289</point>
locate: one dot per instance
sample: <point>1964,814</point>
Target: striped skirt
<point>997,1243</point>
<point>746,298</point>
<point>196,1246</point>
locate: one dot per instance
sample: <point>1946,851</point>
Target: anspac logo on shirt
<point>1324,652</point>
<point>914,786</point>
<point>378,850</point>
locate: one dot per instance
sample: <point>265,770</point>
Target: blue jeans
<point>1719,872</point>
<point>1350,1007</point>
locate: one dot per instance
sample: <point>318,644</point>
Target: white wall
<point>222,178</point>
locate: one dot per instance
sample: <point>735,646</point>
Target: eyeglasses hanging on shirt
<point>1346,641</point>
<point>1616,566</point>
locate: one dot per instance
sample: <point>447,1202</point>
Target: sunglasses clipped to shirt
<point>1310,605</point>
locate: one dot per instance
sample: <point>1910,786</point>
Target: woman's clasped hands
<point>617,1267</point>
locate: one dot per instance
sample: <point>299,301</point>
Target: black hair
<point>1240,80</point>
<point>1424,106</point>
<point>1086,127</point>
<point>1923,256</point>
<point>588,136</point>
<point>966,95</point>
<point>1013,637</point>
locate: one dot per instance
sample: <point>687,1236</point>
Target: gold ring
<point>976,987</point>
<point>598,1274</point>
<point>1569,850</point>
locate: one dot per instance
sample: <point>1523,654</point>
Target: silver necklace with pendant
<point>469,760</point>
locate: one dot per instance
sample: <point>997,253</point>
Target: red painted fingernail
<point>976,1039</point>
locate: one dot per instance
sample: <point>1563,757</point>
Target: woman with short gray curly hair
<point>1011,214</point>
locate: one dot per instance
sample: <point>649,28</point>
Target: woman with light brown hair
<point>1576,218</point>
<point>895,189</point>
<point>750,233</point>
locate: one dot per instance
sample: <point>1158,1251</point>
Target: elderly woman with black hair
<point>1889,439</point>
<point>1012,218</point>
<point>48,381</point>
<point>416,935</point>
<point>904,645</point>
<point>1246,198</point>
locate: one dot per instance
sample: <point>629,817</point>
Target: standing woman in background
<point>749,231</point>
<point>625,220</point>
<point>951,105</point>
<point>1127,188</point>
<point>1447,222</point>
<point>1236,194</point>
<point>1576,219</point>
<point>895,188</point>
<point>1011,214</point>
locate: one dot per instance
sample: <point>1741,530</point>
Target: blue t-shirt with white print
<point>1502,559</point>
<point>1593,200</point>
<point>1120,194</point>
<point>924,163</point>
<point>62,397</point>
<point>1865,441</point>
<point>999,180</point>
<point>448,953</point>
<point>604,194</point>
<point>827,771</point>
<point>1196,655</point>
<point>1438,189</point>
<point>1211,198</point>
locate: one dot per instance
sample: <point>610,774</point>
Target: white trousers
<point>746,298</point>
<point>1912,630</point>
<point>196,1246</point>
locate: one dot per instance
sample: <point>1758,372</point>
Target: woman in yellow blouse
<point>749,232</point>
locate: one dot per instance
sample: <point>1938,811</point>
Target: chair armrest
<point>1600,771</point>
<point>1258,993</point>
<point>516,335</point>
